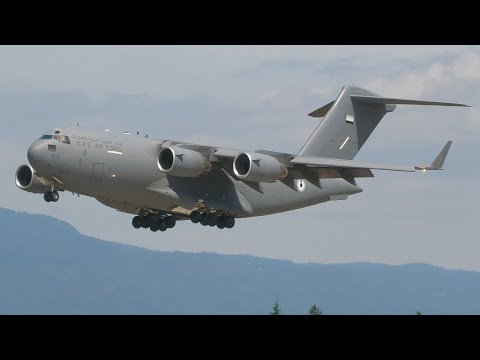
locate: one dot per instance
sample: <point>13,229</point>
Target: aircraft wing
<point>317,162</point>
<point>226,153</point>
<point>347,164</point>
<point>315,168</point>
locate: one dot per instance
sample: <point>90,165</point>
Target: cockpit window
<point>60,138</point>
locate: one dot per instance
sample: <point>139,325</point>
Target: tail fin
<point>350,120</point>
<point>346,126</point>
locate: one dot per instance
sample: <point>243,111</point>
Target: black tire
<point>204,219</point>
<point>136,222</point>
<point>195,216</point>
<point>212,220</point>
<point>154,228</point>
<point>221,220</point>
<point>47,196</point>
<point>229,222</point>
<point>144,222</point>
<point>170,221</point>
<point>154,219</point>
<point>54,196</point>
<point>162,226</point>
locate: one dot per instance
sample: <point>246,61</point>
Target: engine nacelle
<point>26,179</point>
<point>258,167</point>
<point>176,161</point>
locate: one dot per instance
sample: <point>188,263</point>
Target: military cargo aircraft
<point>162,181</point>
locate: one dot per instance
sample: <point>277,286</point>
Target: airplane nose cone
<point>34,153</point>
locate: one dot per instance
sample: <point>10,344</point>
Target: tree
<point>314,310</point>
<point>276,309</point>
<point>418,313</point>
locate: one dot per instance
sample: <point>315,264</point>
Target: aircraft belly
<point>217,190</point>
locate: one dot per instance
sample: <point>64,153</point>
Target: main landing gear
<point>154,221</point>
<point>161,222</point>
<point>221,219</point>
<point>51,196</point>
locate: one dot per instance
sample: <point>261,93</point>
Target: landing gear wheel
<point>170,222</point>
<point>153,220</point>
<point>154,228</point>
<point>47,196</point>
<point>144,221</point>
<point>212,220</point>
<point>136,223</point>
<point>229,222</point>
<point>221,223</point>
<point>162,226</point>
<point>195,216</point>
<point>204,219</point>
<point>54,196</point>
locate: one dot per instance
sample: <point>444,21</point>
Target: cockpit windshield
<point>60,138</point>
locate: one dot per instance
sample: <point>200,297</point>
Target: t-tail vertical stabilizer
<point>349,121</point>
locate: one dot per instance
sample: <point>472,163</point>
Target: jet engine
<point>258,167</point>
<point>176,161</point>
<point>26,179</point>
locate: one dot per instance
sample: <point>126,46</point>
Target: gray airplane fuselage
<point>121,171</point>
<point>161,181</point>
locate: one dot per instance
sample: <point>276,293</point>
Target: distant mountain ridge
<point>48,267</point>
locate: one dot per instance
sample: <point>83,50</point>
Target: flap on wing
<point>347,164</point>
<point>360,173</point>
<point>314,174</point>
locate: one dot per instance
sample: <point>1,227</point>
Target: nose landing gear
<point>51,196</point>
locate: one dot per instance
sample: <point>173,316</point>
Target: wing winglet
<point>439,160</point>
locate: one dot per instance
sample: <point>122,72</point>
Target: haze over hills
<point>48,267</point>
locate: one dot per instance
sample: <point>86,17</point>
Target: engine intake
<point>258,167</point>
<point>182,162</point>
<point>26,179</point>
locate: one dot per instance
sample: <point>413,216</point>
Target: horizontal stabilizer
<point>384,100</point>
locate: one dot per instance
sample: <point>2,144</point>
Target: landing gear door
<point>97,173</point>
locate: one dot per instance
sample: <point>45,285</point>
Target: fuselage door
<point>97,173</point>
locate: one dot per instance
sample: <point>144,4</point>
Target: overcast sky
<point>258,97</point>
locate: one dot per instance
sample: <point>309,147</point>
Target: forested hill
<point>48,267</point>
